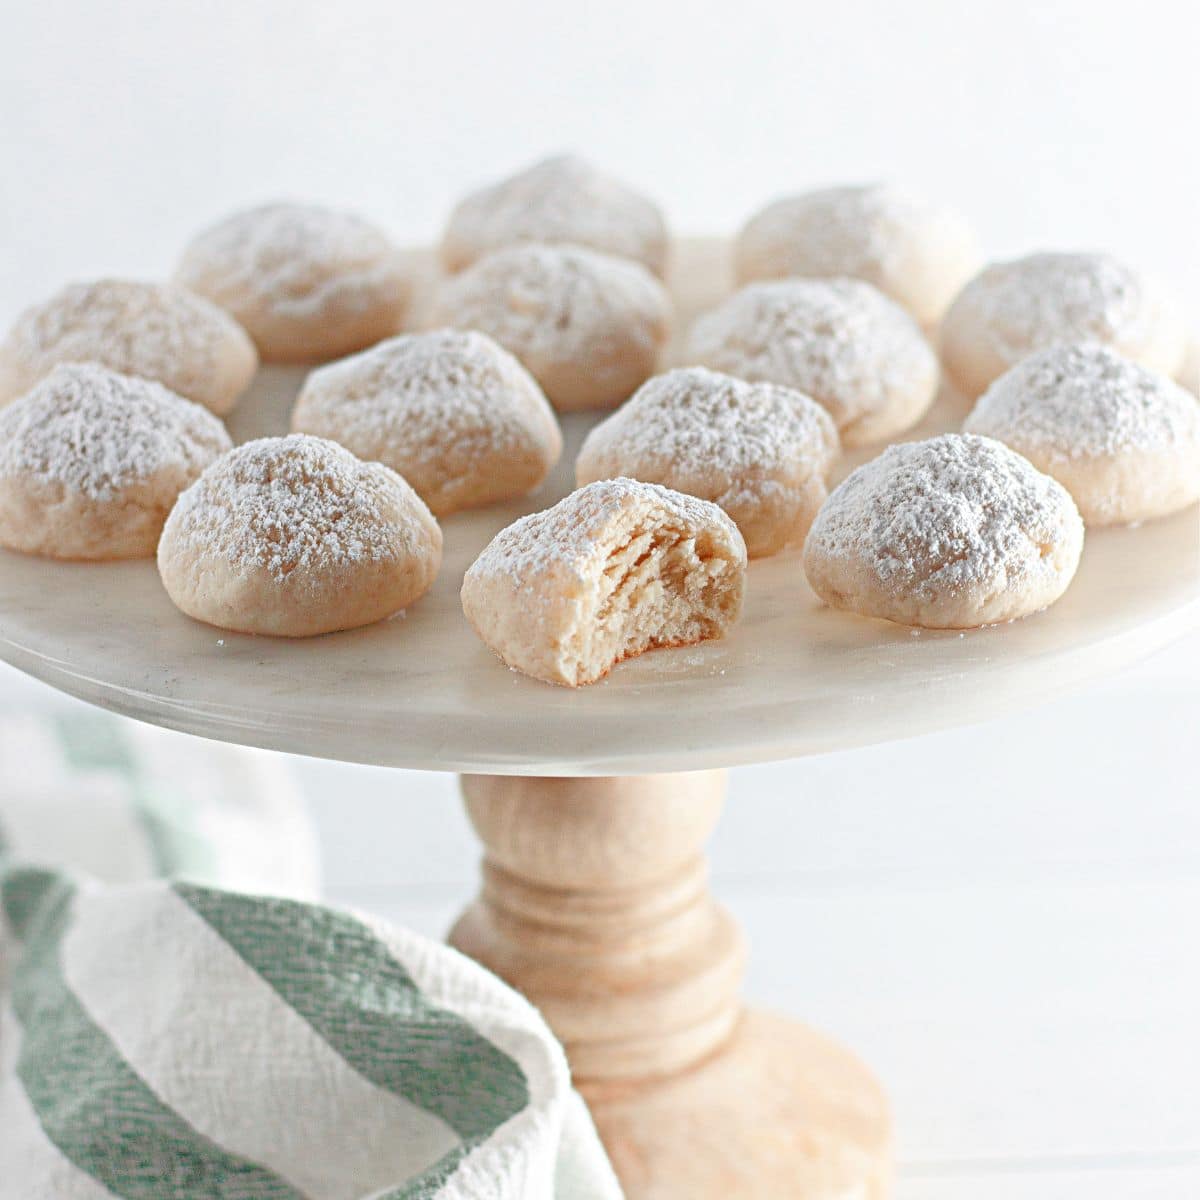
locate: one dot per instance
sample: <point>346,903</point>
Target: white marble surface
<point>793,678</point>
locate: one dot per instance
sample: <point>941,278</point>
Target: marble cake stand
<point>594,806</point>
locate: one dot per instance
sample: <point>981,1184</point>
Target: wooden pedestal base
<point>778,1111</point>
<point>595,905</point>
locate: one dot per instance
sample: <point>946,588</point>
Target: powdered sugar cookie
<point>920,254</point>
<point>1012,309</point>
<point>760,451</point>
<point>92,461</point>
<point>1124,441</point>
<point>588,326</point>
<point>146,329</point>
<point>840,341</point>
<point>951,533</point>
<point>308,283</point>
<point>560,199</point>
<point>451,411</point>
<point>615,569</point>
<point>294,536</point>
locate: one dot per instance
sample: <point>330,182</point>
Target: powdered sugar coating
<point>1085,400</point>
<point>587,326</point>
<point>954,532</point>
<point>840,341</point>
<point>97,432</point>
<point>559,199</point>
<point>295,536</point>
<point>1123,440</point>
<point>1012,309</point>
<point>761,451</point>
<point>151,330</point>
<point>91,462</point>
<point>1048,298</point>
<point>693,414</point>
<point>308,283</point>
<point>292,503</point>
<point>451,411</point>
<point>569,535</point>
<point>918,253</point>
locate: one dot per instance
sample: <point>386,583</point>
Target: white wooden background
<point>1002,920</point>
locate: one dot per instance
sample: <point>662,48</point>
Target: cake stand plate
<point>792,678</point>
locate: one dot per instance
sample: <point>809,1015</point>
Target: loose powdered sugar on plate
<point>1085,400</point>
<point>96,432</point>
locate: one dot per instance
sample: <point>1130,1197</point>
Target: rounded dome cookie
<point>589,327</point>
<point>1124,441</point>
<point>451,411</point>
<point>611,571</point>
<point>920,254</point>
<point>150,330</point>
<point>841,341</point>
<point>91,463</point>
<point>308,283</point>
<point>560,199</point>
<point>760,451</point>
<point>1012,309</point>
<point>294,536</point>
<point>951,533</point>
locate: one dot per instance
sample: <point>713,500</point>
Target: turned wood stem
<point>595,905</point>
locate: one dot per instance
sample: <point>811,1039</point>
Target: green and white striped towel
<point>172,1040</point>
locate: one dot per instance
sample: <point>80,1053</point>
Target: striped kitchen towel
<point>176,1040</point>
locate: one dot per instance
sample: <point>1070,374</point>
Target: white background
<point>1003,919</point>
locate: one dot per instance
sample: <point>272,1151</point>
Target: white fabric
<point>177,1037</point>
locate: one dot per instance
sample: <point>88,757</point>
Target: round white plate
<point>420,690</point>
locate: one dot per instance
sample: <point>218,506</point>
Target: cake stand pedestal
<point>594,805</point>
<point>595,904</point>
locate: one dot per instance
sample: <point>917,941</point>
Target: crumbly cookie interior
<point>660,587</point>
